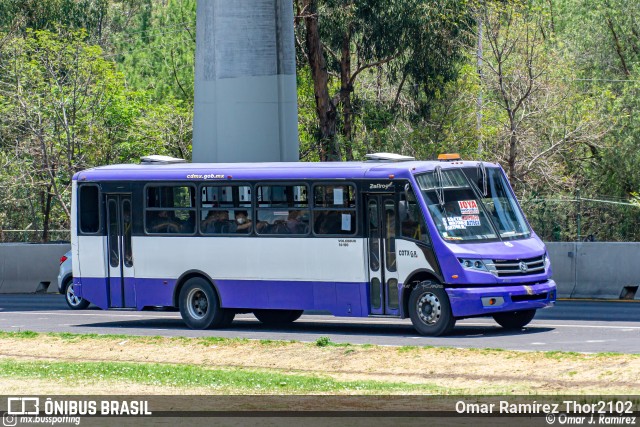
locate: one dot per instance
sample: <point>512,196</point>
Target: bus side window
<point>226,209</point>
<point>412,223</point>
<point>170,209</point>
<point>282,209</point>
<point>334,210</point>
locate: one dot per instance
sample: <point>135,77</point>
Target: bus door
<point>381,214</point>
<point>119,252</point>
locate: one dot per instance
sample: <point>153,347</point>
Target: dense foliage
<point>549,89</point>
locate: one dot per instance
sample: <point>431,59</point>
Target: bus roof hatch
<point>160,160</point>
<point>388,157</point>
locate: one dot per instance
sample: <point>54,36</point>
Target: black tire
<point>274,317</point>
<point>430,310</point>
<point>73,301</point>
<point>200,305</point>
<point>227,319</point>
<point>514,319</point>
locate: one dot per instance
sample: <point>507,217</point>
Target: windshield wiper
<point>476,190</point>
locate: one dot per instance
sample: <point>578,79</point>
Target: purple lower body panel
<point>339,298</point>
<point>94,290</point>
<point>479,301</point>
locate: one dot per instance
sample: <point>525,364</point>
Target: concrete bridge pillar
<point>245,82</point>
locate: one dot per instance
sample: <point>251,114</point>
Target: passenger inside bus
<point>328,222</point>
<point>164,222</point>
<point>216,222</point>
<point>294,223</point>
<point>243,222</point>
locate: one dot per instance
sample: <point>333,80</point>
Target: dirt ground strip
<point>464,371</point>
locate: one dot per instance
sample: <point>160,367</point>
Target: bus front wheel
<point>271,317</point>
<point>430,310</point>
<point>514,319</point>
<point>200,305</point>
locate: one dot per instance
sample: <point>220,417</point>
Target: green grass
<point>414,348</point>
<point>208,341</point>
<point>240,381</point>
<point>20,334</point>
<point>322,341</point>
<point>561,354</point>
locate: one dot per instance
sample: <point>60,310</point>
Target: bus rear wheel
<point>73,301</point>
<point>430,310</point>
<point>272,317</point>
<point>514,319</point>
<point>200,305</point>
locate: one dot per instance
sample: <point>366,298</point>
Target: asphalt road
<point>580,326</point>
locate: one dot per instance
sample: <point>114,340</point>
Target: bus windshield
<point>472,204</point>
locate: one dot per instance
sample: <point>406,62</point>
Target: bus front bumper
<point>480,301</point>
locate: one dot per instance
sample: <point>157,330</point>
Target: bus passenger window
<point>334,209</point>
<point>170,210</point>
<point>219,221</point>
<point>294,221</point>
<point>282,209</point>
<point>226,209</point>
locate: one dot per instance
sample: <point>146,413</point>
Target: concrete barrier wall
<point>581,270</point>
<point>563,264</point>
<point>596,269</point>
<point>24,266</point>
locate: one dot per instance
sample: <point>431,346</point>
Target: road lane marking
<point>346,321</point>
<point>104,313</point>
<point>636,328</point>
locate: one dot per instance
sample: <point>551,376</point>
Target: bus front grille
<point>519,267</point>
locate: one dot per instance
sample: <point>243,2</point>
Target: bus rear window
<point>89,209</point>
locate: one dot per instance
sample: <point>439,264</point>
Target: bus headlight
<point>479,265</point>
<point>547,261</point>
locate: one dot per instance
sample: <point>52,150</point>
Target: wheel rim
<point>197,304</point>
<point>429,308</point>
<point>73,299</point>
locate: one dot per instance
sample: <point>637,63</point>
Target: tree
<point>156,49</point>
<point>56,90</point>
<point>534,118</point>
<point>415,39</point>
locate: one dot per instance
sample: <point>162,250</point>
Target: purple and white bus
<point>435,241</point>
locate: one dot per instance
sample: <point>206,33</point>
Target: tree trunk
<point>325,108</point>
<point>345,93</point>
<point>513,148</point>
<point>619,51</point>
<point>45,208</point>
